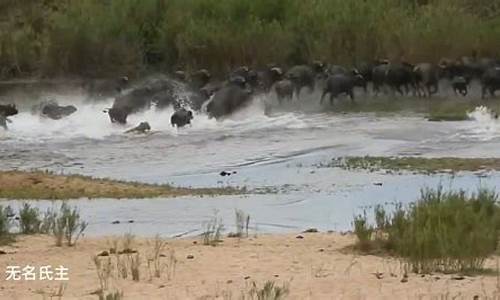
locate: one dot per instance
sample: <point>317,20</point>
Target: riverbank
<point>43,185</point>
<point>307,265</point>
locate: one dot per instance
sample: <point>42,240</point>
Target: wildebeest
<point>5,112</point>
<point>490,82</point>
<point>143,127</point>
<point>229,98</point>
<point>342,84</point>
<point>158,91</point>
<point>181,118</point>
<point>426,78</point>
<point>284,90</point>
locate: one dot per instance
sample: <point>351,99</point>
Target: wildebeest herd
<point>221,97</point>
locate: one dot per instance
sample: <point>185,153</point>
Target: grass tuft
<point>213,230</point>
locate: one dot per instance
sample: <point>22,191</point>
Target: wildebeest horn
<point>277,70</point>
<point>106,110</point>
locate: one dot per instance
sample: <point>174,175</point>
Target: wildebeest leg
<point>351,95</point>
<point>323,96</point>
<point>331,98</point>
<point>483,91</point>
<point>434,89</point>
<point>375,89</point>
<point>492,92</point>
<point>311,87</point>
<point>407,89</point>
<point>397,88</point>
<point>297,92</point>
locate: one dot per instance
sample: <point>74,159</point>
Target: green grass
<point>441,232</point>
<point>416,164</point>
<point>108,38</point>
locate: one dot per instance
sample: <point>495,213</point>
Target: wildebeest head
<point>359,79</point>
<point>180,75</point>
<point>118,115</point>
<point>276,71</point>
<point>202,75</point>
<point>238,81</point>
<point>8,110</point>
<point>318,66</point>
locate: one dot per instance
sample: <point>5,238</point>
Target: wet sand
<point>316,266</point>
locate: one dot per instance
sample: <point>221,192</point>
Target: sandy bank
<point>42,185</point>
<point>314,267</point>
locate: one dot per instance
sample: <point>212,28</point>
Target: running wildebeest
<point>5,112</point>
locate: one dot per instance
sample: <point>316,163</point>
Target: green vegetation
<point>416,164</point>
<point>68,222</point>
<point>107,38</point>
<point>442,231</point>
<point>64,224</point>
<point>29,219</point>
<point>44,185</point>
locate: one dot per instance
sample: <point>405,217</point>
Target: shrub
<point>67,225</point>
<point>363,231</point>
<point>29,219</point>
<point>443,231</point>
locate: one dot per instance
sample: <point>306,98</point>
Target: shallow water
<point>275,148</point>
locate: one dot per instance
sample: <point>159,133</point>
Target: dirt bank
<point>42,185</point>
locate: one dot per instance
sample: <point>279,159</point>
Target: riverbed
<point>273,151</point>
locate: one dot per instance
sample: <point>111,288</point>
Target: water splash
<point>485,125</point>
<point>91,121</point>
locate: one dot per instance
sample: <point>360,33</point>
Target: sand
<point>314,267</point>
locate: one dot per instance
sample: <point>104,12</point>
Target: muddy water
<point>273,150</point>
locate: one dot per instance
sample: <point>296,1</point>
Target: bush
<point>29,219</point>
<point>363,231</point>
<point>67,225</point>
<point>444,231</point>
